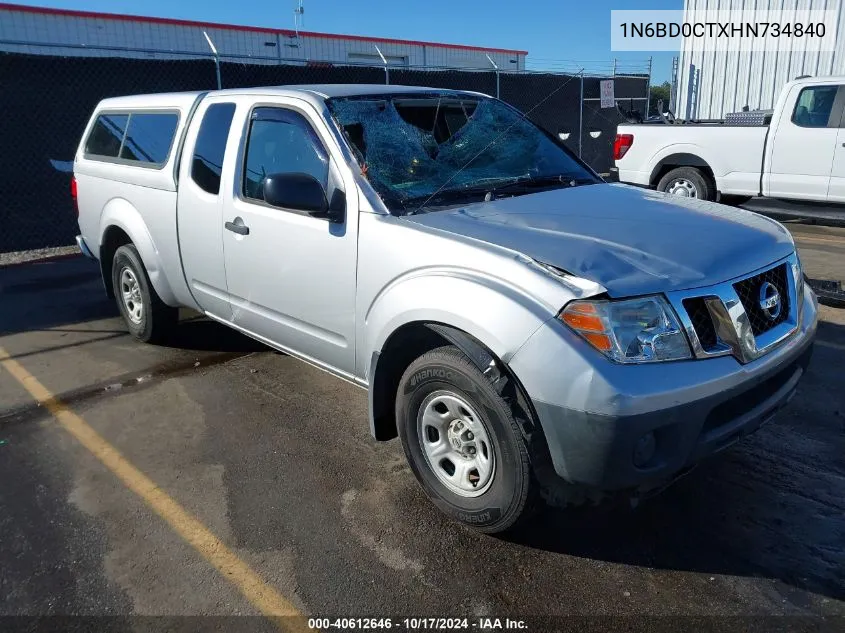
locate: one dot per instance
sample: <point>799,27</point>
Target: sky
<point>577,30</point>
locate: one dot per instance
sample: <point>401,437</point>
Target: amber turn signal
<point>584,319</point>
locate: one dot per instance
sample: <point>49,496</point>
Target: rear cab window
<point>141,138</point>
<point>210,148</point>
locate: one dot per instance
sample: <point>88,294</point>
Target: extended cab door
<point>803,143</point>
<point>200,205</point>
<point>291,276</point>
<point>836,192</point>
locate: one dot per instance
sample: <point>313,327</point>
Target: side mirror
<point>302,192</point>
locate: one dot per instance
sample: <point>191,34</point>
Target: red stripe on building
<point>236,27</point>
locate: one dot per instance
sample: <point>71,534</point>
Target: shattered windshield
<point>438,149</point>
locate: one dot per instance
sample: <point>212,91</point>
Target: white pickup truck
<point>797,153</point>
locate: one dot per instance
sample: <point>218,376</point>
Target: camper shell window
<point>141,138</point>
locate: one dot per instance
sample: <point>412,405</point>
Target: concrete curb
<point>41,260</point>
<point>802,218</point>
<point>800,212</point>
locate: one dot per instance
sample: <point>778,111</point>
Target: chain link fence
<point>49,99</point>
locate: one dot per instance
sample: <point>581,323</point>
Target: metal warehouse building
<point>710,84</point>
<point>25,29</point>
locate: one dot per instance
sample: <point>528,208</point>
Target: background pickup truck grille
<point>702,322</point>
<point>749,293</point>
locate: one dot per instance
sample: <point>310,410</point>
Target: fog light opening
<point>645,449</point>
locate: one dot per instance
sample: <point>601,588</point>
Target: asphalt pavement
<point>216,477</point>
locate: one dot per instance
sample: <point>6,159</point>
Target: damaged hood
<point>631,241</point>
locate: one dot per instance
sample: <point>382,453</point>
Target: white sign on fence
<point>607,100</point>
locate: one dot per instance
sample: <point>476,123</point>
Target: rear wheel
<point>148,318</point>
<point>463,443</point>
<point>688,182</point>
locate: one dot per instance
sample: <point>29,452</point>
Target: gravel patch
<point>19,257</point>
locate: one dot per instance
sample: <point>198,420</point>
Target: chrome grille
<point>702,321</point>
<point>748,291</point>
<point>734,317</point>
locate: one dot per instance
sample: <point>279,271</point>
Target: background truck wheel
<point>148,318</point>
<point>462,442</point>
<point>688,182</point>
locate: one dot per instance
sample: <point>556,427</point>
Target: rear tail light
<point>621,145</point>
<point>73,194</point>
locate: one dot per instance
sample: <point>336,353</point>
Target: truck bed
<point>734,153</point>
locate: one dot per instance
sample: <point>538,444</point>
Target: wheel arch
<point>680,159</point>
<point>113,238</point>
<point>411,341</point>
<point>488,318</point>
<point>122,224</point>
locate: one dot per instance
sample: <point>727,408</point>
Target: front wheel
<point>688,182</point>
<point>462,442</point>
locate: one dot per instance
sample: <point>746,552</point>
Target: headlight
<point>640,330</point>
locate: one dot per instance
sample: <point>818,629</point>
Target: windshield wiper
<point>527,183</point>
<point>443,197</point>
<point>490,191</point>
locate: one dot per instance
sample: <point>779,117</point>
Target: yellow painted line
<point>262,596</point>
<point>838,346</point>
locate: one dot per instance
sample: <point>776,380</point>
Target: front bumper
<point>594,412</point>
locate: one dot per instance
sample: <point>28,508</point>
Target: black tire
<point>704,187</point>
<point>156,320</point>
<point>512,492</point>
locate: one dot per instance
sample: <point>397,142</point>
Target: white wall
<point>59,28</point>
<point>727,81</point>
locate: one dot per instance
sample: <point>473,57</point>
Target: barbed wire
<point>533,65</point>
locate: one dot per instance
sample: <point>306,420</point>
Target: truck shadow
<point>199,333</point>
<point>771,506</point>
<point>67,295</point>
<point>41,295</point>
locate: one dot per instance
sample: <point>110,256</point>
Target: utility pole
<point>298,16</point>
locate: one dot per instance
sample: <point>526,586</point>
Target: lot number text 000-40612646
<point>417,624</point>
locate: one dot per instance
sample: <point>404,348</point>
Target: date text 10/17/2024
<point>417,624</point>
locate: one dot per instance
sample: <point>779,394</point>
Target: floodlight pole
<point>216,59</point>
<point>490,59</point>
<point>386,69</point>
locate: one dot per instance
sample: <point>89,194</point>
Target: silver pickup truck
<point>528,331</point>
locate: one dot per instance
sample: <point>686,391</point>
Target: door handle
<point>237,226</point>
